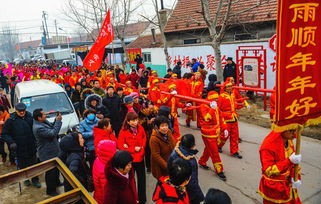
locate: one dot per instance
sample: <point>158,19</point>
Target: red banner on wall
<point>298,101</point>
<point>132,54</point>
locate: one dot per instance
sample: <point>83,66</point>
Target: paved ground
<point>242,175</point>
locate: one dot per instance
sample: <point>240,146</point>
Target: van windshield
<point>50,103</point>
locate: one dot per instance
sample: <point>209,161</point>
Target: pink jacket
<point>104,152</point>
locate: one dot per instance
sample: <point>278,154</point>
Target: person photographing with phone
<point>46,135</point>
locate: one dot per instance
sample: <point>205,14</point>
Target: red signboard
<point>132,54</point>
<point>298,101</point>
<point>272,43</point>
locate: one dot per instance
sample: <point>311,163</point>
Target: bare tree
<point>217,22</point>
<point>8,42</point>
<point>161,22</point>
<point>89,15</point>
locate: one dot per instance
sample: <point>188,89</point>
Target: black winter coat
<point>112,105</point>
<point>75,96</point>
<point>193,188</point>
<point>229,71</point>
<point>19,130</point>
<point>177,70</point>
<point>72,154</point>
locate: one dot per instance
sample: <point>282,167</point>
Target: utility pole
<point>162,4</point>
<point>56,27</point>
<point>44,16</point>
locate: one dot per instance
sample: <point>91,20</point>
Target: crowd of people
<point>129,128</point>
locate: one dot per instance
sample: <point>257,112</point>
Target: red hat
<point>227,83</point>
<point>141,66</point>
<point>212,95</point>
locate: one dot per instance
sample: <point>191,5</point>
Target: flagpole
<point>297,152</point>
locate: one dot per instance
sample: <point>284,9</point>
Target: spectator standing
<point>76,99</point>
<point>144,79</point>
<point>134,78</point>
<point>94,102</point>
<point>161,146</point>
<point>172,187</point>
<point>46,134</point>
<point>141,70</point>
<point>121,185</point>
<point>169,74</point>
<point>122,77</point>
<point>4,116</point>
<point>195,64</point>
<point>229,69</point>
<point>72,147</point>
<point>112,103</point>
<point>4,82</point>
<point>86,128</point>
<point>132,138</point>
<point>17,131</point>
<point>202,71</point>
<point>185,149</point>
<point>103,131</point>
<point>138,60</point>
<point>178,69</point>
<point>105,151</point>
<point>97,90</point>
<point>212,84</point>
<point>4,100</point>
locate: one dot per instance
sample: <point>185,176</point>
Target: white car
<point>49,96</point>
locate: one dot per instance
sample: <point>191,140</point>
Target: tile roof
<point>29,44</point>
<point>133,29</point>
<point>187,14</point>
<point>146,42</point>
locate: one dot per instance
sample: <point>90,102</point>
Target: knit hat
<point>128,99</point>
<point>134,95</point>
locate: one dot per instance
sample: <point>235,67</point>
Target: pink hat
<point>134,95</point>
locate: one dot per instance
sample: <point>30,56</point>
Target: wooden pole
<point>297,152</point>
<point>250,89</point>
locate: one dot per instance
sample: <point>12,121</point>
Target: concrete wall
<point>204,54</point>
<point>158,60</point>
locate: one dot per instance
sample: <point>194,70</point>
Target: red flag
<point>95,56</point>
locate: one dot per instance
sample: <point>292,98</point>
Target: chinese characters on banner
<point>298,64</point>
<point>132,54</point>
<point>96,54</point>
<point>208,61</point>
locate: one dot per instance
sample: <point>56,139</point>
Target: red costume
<point>173,103</point>
<point>154,94</point>
<point>277,171</point>
<point>228,106</point>
<point>72,81</point>
<point>167,193</point>
<point>212,124</point>
<point>196,90</point>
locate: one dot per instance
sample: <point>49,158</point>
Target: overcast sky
<point>25,16</point>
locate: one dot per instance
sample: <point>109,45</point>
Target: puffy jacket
<point>100,134</point>
<point>99,108</point>
<point>132,140</point>
<point>105,151</point>
<point>19,130</point>
<point>86,127</point>
<point>193,188</point>
<point>73,155</point>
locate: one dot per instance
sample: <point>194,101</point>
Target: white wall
<point>229,50</point>
<point>157,55</point>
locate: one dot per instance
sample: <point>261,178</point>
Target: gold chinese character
<point>303,36</point>
<point>302,60</point>
<point>301,83</point>
<point>304,11</point>
<point>304,104</point>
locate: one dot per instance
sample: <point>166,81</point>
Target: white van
<point>51,98</point>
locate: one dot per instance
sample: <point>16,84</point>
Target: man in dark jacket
<point>17,131</point>
<point>185,150</point>
<point>138,60</point>
<point>112,104</point>
<point>229,69</point>
<point>177,69</point>
<point>46,134</point>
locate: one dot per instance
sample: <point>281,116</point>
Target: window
<point>147,57</point>
<point>192,41</point>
